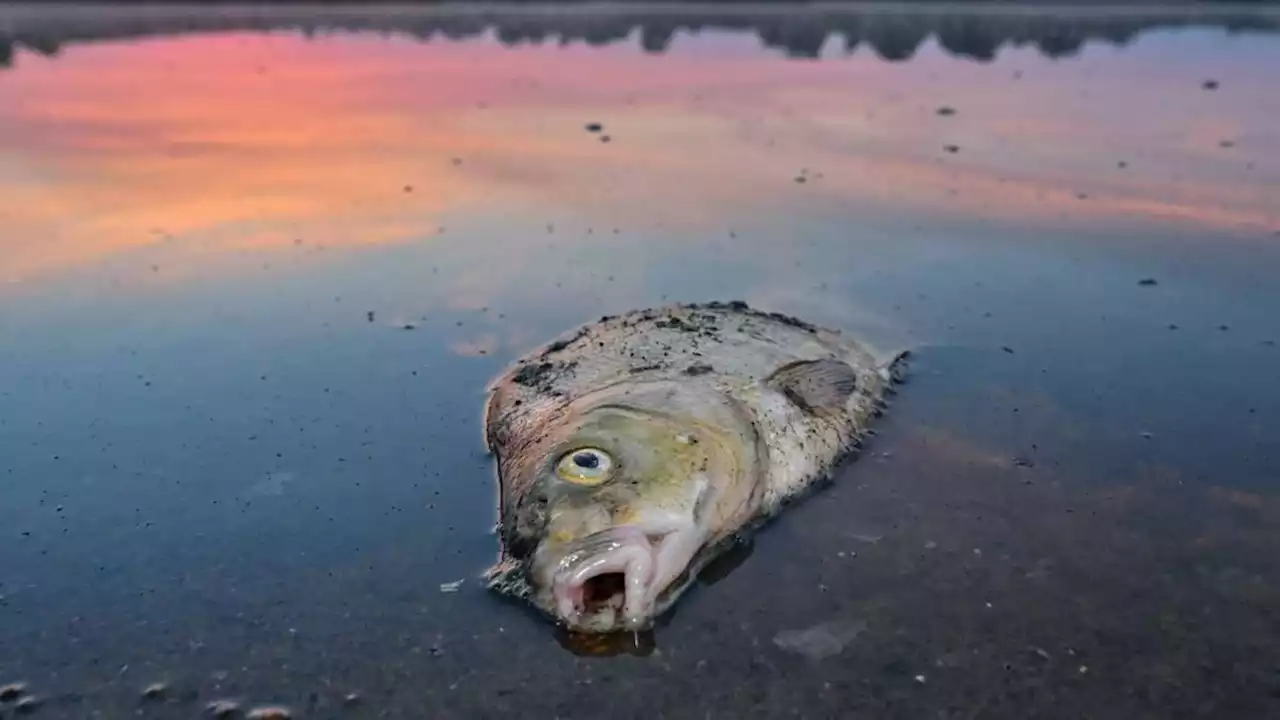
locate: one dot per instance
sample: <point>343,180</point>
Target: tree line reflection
<point>801,32</point>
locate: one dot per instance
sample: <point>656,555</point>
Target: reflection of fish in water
<point>635,450</point>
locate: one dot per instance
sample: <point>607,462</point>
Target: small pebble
<point>154,691</point>
<point>269,713</point>
<point>920,679</point>
<point>351,698</point>
<point>222,708</point>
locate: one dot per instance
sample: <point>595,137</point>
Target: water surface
<point>259,265</point>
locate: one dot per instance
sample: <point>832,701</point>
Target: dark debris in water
<point>1210,84</point>
<point>951,148</point>
<point>594,127</point>
<point>12,691</point>
<point>946,111</point>
<point>1148,282</point>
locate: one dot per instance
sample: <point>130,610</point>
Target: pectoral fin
<point>816,386</point>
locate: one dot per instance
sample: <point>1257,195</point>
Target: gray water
<point>258,266</point>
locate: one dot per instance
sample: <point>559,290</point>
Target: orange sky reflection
<point>241,141</point>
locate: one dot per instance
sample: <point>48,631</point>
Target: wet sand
<point>254,283</point>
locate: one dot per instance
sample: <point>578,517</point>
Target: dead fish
<point>634,450</point>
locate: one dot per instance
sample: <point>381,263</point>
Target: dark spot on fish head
<point>532,374</point>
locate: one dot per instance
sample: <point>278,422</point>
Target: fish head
<point>622,494</point>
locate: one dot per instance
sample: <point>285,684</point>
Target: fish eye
<point>585,466</point>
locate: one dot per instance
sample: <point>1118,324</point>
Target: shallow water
<point>258,267</point>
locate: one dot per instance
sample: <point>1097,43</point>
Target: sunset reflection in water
<point>211,144</point>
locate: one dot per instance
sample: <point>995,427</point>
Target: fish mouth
<point>610,580</point>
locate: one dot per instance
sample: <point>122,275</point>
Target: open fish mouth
<point>609,581</point>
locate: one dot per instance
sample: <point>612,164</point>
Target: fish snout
<point>604,581</point>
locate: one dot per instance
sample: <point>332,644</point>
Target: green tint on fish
<point>632,451</point>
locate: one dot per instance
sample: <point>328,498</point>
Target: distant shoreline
<point>974,30</point>
<point>1011,7</point>
<point>1003,5</point>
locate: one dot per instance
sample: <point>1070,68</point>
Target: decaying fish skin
<point>633,450</point>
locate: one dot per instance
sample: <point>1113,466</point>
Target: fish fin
<point>815,385</point>
<point>896,370</point>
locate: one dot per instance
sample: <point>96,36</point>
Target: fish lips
<point>605,581</point>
